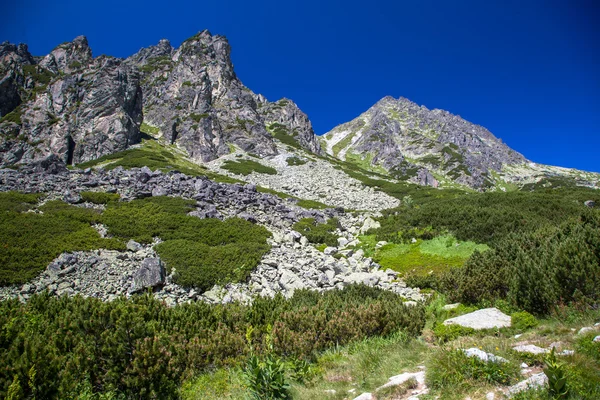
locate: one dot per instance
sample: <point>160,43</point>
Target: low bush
<point>30,241</point>
<point>295,161</point>
<point>204,252</point>
<point>535,271</point>
<point>447,333</point>
<point>318,233</point>
<point>140,348</point>
<point>523,321</point>
<point>99,197</point>
<point>449,368</point>
<point>246,167</point>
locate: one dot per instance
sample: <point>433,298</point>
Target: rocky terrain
<point>434,148</point>
<point>293,262</point>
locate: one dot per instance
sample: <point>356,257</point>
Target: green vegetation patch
<point>295,161</point>
<point>30,241</point>
<point>149,129</point>
<point>246,167</point>
<point>280,132</point>
<point>318,233</point>
<point>156,157</point>
<point>99,197</point>
<point>342,144</point>
<point>140,348</point>
<point>424,257</point>
<point>204,252</point>
<point>449,368</point>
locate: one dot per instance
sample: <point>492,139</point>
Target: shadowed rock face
<point>71,105</point>
<point>194,97</point>
<point>408,139</point>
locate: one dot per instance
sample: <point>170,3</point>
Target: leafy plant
<point>557,377</point>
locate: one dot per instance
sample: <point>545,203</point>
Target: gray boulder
<point>150,275</point>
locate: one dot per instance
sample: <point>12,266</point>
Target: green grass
<point>318,233</point>
<point>30,241</point>
<point>149,129</point>
<point>342,144</point>
<point>280,132</point>
<point>424,257</point>
<point>155,156</point>
<point>246,167</point>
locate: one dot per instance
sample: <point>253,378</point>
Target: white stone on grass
<point>487,318</point>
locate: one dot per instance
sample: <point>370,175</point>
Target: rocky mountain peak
<point>68,57</point>
<point>412,142</point>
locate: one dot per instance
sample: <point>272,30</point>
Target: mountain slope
<point>433,147</point>
<point>77,108</point>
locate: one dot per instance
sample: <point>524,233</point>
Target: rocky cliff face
<point>193,98</point>
<point>77,107</point>
<point>69,105</point>
<point>422,145</point>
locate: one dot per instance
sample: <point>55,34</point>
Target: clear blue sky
<point>527,70</point>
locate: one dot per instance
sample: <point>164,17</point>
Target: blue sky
<point>527,70</point>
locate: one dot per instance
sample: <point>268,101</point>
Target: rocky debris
<point>535,381</point>
<point>150,275</point>
<point>82,108</point>
<point>487,318</point>
<point>483,356</point>
<point>292,264</point>
<point>315,180</point>
<point>530,348</point>
<point>395,130</point>
<point>369,224</point>
<point>596,339</point>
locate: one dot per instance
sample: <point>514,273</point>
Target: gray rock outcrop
<point>487,318</point>
<point>73,106</point>
<point>150,275</point>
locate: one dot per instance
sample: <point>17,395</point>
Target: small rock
<point>590,203</point>
<point>330,251</point>
<point>448,307</point>
<point>535,381</point>
<point>530,348</point>
<point>585,330</point>
<point>132,245</point>
<point>365,396</point>
<point>597,339</point>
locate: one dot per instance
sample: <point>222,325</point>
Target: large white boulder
<point>487,318</point>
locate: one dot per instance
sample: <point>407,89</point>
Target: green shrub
<point>447,333</point>
<point>523,321</point>
<point>30,241</point>
<point>453,368</point>
<point>246,167</point>
<point>295,161</point>
<point>99,197</point>
<point>204,252</point>
<point>140,348</point>
<point>318,233</point>
<point>535,271</point>
<point>586,345</point>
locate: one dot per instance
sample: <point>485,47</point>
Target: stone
<point>365,396</point>
<point>330,251</point>
<point>535,381</point>
<point>449,307</point>
<point>597,339</point>
<point>369,224</point>
<point>402,378</point>
<point>585,330</point>
<point>342,241</point>
<point>590,203</point>
<point>132,245</point>
<point>150,275</point>
<point>483,356</point>
<point>72,197</point>
<point>487,318</point>
<point>530,348</point>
